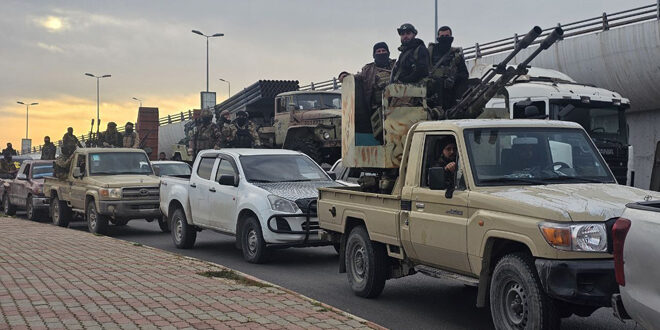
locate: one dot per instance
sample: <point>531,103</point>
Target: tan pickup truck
<point>525,213</point>
<point>105,185</point>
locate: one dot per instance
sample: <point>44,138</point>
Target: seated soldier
<point>447,159</point>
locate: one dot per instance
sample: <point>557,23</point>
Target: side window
<point>80,162</point>
<point>26,171</point>
<point>440,151</point>
<point>225,168</point>
<point>205,168</point>
<point>519,108</point>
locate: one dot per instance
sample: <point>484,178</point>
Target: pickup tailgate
<point>380,213</point>
<point>174,189</point>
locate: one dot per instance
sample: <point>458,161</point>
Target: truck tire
<point>183,234</point>
<point>307,146</point>
<point>252,242</point>
<point>6,205</point>
<point>59,212</point>
<point>29,209</point>
<point>366,264</point>
<point>96,223</point>
<point>517,299</point>
<point>163,224</point>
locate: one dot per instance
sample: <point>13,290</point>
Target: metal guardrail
<point>326,85</point>
<point>586,26</point>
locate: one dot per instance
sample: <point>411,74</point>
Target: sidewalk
<point>56,277</point>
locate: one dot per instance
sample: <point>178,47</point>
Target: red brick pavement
<point>52,277</point>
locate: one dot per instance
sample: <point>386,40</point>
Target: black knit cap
<point>380,45</point>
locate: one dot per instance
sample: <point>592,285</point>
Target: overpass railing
<point>603,22</point>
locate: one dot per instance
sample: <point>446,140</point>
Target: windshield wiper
<point>573,178</point>
<point>517,180</point>
<point>260,181</point>
<point>299,180</point>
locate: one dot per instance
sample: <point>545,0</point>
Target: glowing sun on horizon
<point>53,23</point>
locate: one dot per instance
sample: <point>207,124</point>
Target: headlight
<point>114,193</point>
<point>278,203</point>
<point>586,237</point>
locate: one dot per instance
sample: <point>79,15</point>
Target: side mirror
<point>76,172</point>
<point>21,176</point>
<point>228,180</point>
<point>437,178</point>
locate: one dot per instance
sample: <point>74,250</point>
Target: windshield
<point>42,171</point>
<point>115,163</point>
<point>281,168</point>
<point>513,156</point>
<point>173,169</point>
<point>317,101</point>
<point>603,122</point>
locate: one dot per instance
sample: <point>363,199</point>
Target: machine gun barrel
<point>556,34</point>
<point>534,33</point>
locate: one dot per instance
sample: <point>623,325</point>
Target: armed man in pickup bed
<point>448,72</point>
<point>205,134</point>
<point>9,150</point>
<point>49,149</point>
<point>246,135</point>
<point>227,129</point>
<point>376,75</point>
<point>413,63</point>
<point>111,138</point>
<point>7,166</point>
<point>63,162</point>
<point>130,139</point>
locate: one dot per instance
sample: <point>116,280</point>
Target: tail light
<point>619,232</point>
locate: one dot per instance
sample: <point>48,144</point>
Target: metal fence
<point>603,22</point>
<point>326,85</point>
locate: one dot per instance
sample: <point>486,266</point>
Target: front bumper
<point>580,282</point>
<point>130,209</point>
<point>40,203</point>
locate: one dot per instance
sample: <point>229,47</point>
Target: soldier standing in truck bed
<point>448,72</point>
<point>63,162</point>
<point>111,138</point>
<point>246,135</point>
<point>130,138</point>
<point>227,129</point>
<point>413,63</point>
<point>49,149</point>
<point>205,134</point>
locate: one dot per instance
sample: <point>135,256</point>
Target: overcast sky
<point>148,48</point>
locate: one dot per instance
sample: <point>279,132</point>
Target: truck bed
<point>337,206</point>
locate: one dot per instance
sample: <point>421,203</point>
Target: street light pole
<point>207,52</point>
<point>135,98</point>
<point>98,118</point>
<point>27,115</point>
<point>228,86</point>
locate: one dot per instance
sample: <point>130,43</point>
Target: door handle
<point>212,189</point>
<point>193,185</point>
<point>419,205</point>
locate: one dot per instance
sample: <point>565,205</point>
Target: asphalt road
<point>417,302</point>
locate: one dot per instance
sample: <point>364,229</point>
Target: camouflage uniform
<point>48,151</point>
<point>7,167</point>
<point>448,76</point>
<point>205,135</point>
<point>62,165</point>
<point>111,138</point>
<point>226,128</point>
<point>245,136</point>
<point>69,144</point>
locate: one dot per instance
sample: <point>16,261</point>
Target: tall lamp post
<point>207,52</point>
<point>98,119</point>
<point>228,85</point>
<point>135,98</point>
<point>27,111</point>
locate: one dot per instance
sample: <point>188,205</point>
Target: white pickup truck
<point>264,197</point>
<point>635,239</point>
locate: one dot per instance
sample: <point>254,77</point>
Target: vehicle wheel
<point>60,212</point>
<point>162,223</point>
<point>121,222</point>
<point>252,242</point>
<point>29,209</point>
<point>183,234</point>
<point>308,146</point>
<point>517,299</point>
<point>366,264</point>
<point>6,205</point>
<point>96,223</point>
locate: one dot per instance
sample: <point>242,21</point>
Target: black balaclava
<point>381,60</point>
<point>129,129</point>
<point>444,43</point>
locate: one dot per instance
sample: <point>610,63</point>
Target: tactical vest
<point>205,138</point>
<point>382,80</point>
<point>243,138</point>
<point>443,71</point>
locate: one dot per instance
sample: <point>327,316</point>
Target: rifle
<point>91,130</point>
<point>473,101</point>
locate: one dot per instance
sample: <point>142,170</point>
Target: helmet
<point>406,27</point>
<point>242,114</point>
<point>206,113</point>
